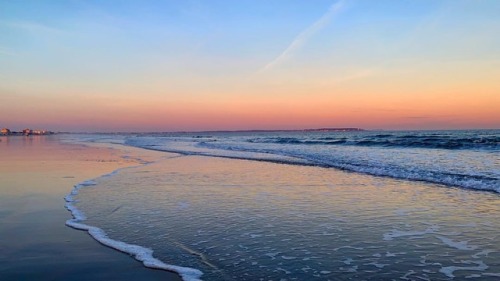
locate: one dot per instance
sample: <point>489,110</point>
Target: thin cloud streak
<point>302,38</point>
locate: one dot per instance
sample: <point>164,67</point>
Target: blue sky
<point>79,53</point>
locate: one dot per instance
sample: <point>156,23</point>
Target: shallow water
<point>247,220</point>
<point>468,159</point>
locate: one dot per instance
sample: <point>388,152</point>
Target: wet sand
<point>36,173</point>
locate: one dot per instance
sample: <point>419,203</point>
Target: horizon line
<point>346,129</point>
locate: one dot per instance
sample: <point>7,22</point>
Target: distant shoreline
<point>229,131</point>
<point>347,129</point>
<point>45,132</point>
<point>23,135</point>
<point>25,132</point>
<point>282,130</point>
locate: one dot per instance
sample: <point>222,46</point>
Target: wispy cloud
<point>302,38</point>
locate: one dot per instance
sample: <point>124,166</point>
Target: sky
<point>188,65</point>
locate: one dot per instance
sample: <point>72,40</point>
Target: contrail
<point>306,34</point>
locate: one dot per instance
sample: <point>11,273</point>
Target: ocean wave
<point>388,140</point>
<point>397,167</point>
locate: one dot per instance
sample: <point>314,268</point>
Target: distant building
<point>27,132</point>
<point>41,132</point>
<point>5,132</point>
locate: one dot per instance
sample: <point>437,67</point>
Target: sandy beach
<point>37,172</point>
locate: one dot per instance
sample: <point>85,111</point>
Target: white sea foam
<point>77,214</point>
<point>348,247</point>
<point>70,196</point>
<point>142,254</point>
<point>461,245</point>
<point>283,270</point>
<point>405,277</point>
<point>348,261</point>
<point>491,274</point>
<point>272,255</point>
<point>389,254</point>
<point>377,265</point>
<point>482,253</point>
<point>398,233</point>
<point>349,269</point>
<point>448,270</point>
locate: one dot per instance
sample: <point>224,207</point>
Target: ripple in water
<point>244,220</point>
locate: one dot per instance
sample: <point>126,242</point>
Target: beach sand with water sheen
<point>37,172</point>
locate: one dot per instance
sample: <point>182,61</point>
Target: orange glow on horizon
<point>369,111</point>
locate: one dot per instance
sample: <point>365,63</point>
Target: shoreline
<point>140,253</point>
<point>37,173</point>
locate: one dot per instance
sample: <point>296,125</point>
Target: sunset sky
<point>261,64</point>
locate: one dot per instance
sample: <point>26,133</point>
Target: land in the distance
<point>25,132</point>
<point>28,132</point>
<point>283,130</point>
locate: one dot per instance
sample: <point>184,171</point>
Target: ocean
<point>312,205</point>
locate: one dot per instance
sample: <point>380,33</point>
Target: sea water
<point>295,215</point>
